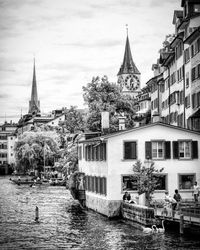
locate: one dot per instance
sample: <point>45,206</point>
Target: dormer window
<point>197,8</point>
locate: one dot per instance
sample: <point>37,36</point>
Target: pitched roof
<point>107,136</point>
<point>128,66</point>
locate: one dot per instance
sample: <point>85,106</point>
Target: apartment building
<point>175,88</point>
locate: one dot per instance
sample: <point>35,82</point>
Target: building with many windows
<point>175,89</point>
<point>107,162</point>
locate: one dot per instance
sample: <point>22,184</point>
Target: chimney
<point>156,117</point>
<point>122,119</point>
<point>105,121</point>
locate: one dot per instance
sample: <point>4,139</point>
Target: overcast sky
<point>72,41</point>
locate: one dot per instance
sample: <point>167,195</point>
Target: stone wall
<point>138,213</point>
<point>109,208</point>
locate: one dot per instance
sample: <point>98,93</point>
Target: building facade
<point>7,141</point>
<point>175,92</point>
<point>109,169</point>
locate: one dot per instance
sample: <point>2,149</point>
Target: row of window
<point>185,181</point>
<point>3,137</point>
<point>3,146</point>
<point>153,150</point>
<point>175,97</point>
<point>96,184</point>
<point>3,155</point>
<point>162,150</point>
<point>174,118</point>
<point>96,152</point>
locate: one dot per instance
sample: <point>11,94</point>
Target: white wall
<point>173,167</point>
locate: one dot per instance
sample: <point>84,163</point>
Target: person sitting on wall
<point>178,198</point>
<point>126,197</point>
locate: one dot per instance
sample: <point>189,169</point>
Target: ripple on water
<point>64,225</point>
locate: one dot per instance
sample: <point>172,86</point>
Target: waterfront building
<point>129,75</point>
<point>175,91</point>
<point>107,162</point>
<point>7,141</point>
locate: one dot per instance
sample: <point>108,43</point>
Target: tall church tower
<point>34,103</point>
<point>129,75</point>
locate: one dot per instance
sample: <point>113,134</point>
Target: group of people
<point>174,201</point>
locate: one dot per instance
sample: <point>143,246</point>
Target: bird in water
<point>161,230</point>
<point>147,230</point>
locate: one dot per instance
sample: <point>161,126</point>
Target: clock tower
<point>129,75</point>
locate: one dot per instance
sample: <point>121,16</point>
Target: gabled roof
<point>128,66</point>
<point>105,137</point>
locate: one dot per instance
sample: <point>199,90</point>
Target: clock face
<point>132,82</point>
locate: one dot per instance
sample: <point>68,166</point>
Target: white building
<point>107,162</point>
<point>7,141</point>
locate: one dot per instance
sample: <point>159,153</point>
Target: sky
<point>72,41</point>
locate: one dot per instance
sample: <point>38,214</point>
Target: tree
<point>146,179</point>
<point>74,120</point>
<point>101,95</point>
<point>33,149</point>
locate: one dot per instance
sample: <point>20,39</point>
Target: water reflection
<point>65,225</point>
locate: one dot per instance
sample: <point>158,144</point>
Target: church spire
<point>128,66</point>
<point>34,104</point>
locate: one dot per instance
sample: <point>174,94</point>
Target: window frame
<point>122,183</point>
<point>136,150</point>
<point>185,174</point>
<point>185,141</point>
<point>163,150</point>
<point>166,182</point>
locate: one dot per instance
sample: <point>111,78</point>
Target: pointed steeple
<point>34,104</point>
<point>128,66</point>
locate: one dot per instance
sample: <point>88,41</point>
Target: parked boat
<point>25,182</point>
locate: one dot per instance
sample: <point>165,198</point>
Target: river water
<point>64,225</point>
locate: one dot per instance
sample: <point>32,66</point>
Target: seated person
<point>126,197</point>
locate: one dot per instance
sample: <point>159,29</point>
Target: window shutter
<point>175,150</point>
<point>127,150</point>
<point>167,150</point>
<point>148,150</point>
<point>195,149</point>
